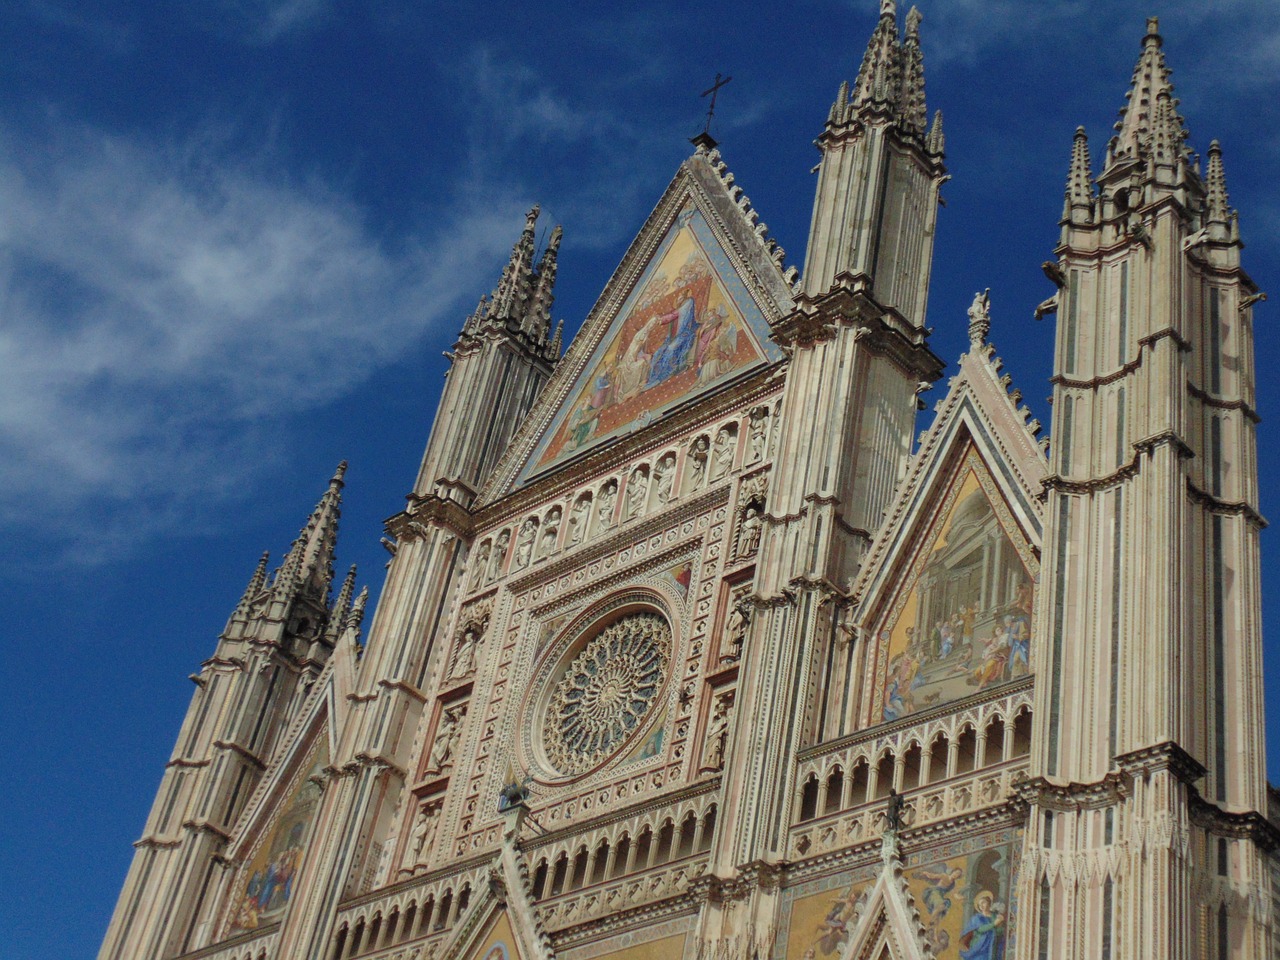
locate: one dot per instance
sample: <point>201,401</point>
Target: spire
<point>911,101</point>
<point>538,322</point>
<point>251,593</point>
<point>342,606</point>
<point>557,342</point>
<point>1079,201</point>
<point>1150,113</point>
<point>351,626</point>
<point>514,288</point>
<point>878,79</point>
<point>1218,208</point>
<point>309,563</point>
<point>936,142</point>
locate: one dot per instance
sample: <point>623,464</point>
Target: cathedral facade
<point>689,647</point>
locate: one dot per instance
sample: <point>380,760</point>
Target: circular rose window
<point>606,692</point>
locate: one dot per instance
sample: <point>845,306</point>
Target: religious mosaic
<point>963,893</point>
<point>965,622</point>
<point>269,876</point>
<point>607,692</point>
<point>688,325</point>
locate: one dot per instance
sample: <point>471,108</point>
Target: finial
<point>1219,206</point>
<point>980,318</point>
<point>914,16</point>
<point>888,8</point>
<point>1153,31</point>
<point>339,474</point>
<point>531,217</point>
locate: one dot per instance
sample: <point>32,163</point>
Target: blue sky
<point>236,235</point>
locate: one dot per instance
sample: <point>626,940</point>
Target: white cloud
<point>157,314</point>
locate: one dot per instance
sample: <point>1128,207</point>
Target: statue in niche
<point>735,628</point>
<point>550,532</point>
<point>664,475</point>
<point>499,555</point>
<point>465,660</point>
<point>480,564</point>
<point>608,496</point>
<point>749,534</point>
<point>579,517</point>
<point>446,740</point>
<point>636,490</point>
<point>699,452</point>
<point>759,420</point>
<point>424,831</point>
<point>718,733</point>
<point>524,543</point>
<point>722,455</point>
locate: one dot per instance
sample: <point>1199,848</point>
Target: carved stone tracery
<point>606,692</point>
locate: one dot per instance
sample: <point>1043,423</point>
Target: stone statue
<point>524,543</point>
<point>604,511</point>
<point>446,740</point>
<point>749,536</point>
<point>664,475</point>
<point>550,533</point>
<point>980,317</point>
<point>718,733</point>
<point>465,660</point>
<point>722,455</point>
<point>579,517</point>
<point>480,563</point>
<point>736,628</point>
<point>759,418</point>
<point>424,831</point>
<point>499,555</point>
<point>698,454</point>
<point>636,490</point>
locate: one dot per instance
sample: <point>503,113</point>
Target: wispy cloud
<point>159,312</point>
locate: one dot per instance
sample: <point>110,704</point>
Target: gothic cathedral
<point>690,648</point>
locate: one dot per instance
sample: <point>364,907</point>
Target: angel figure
<point>604,510</point>
<point>664,475</point>
<point>524,543</point>
<point>446,740</point>
<point>499,555</point>
<point>579,517</point>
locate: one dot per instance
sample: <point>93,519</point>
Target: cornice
<point>1250,825</point>
<point>1237,508</point>
<point>1160,757</point>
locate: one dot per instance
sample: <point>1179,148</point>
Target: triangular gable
<point>501,923</point>
<point>946,589</point>
<point>275,833</point>
<point>888,925</point>
<point>687,311</point>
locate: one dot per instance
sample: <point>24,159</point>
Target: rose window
<point>606,692</point>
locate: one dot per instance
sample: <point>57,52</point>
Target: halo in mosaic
<point>606,692</point>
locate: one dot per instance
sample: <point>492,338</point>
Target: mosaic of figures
<point>963,893</point>
<point>964,623</point>
<point>643,488</point>
<point>688,325</point>
<point>268,878</point>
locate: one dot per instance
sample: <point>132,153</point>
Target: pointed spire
<point>538,322</point>
<point>309,563</point>
<point>1079,201</point>
<point>911,101</point>
<point>514,288</point>
<point>1143,119</point>
<point>351,627</point>
<point>878,78</point>
<point>936,142</point>
<point>557,342</point>
<point>1218,204</point>
<point>342,606</point>
<point>251,592</point>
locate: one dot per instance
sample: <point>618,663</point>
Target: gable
<point>264,883</point>
<point>688,326</point>
<point>961,620</point>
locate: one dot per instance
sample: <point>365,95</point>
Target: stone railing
<point>254,945</point>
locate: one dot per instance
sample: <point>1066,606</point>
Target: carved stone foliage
<point>606,692</point>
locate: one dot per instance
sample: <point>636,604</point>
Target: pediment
<point>502,922</point>
<point>946,591</point>
<point>688,312</point>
